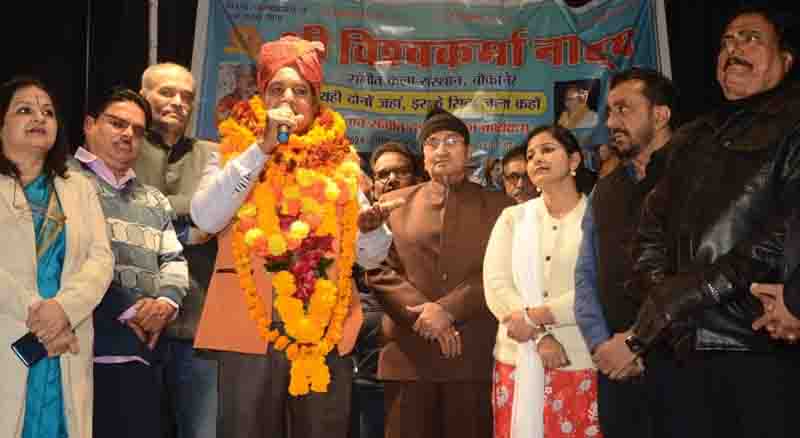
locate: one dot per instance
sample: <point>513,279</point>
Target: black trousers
<point>751,395</point>
<point>675,408</point>
<point>254,398</point>
<point>623,408</point>
<point>127,401</point>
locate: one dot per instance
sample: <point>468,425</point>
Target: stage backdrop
<point>502,66</point>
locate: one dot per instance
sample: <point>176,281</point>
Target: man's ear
<point>788,61</point>
<point>88,124</point>
<point>663,114</point>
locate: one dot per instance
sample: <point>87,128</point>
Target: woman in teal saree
<point>54,271</point>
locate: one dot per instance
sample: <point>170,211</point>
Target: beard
<point>629,153</point>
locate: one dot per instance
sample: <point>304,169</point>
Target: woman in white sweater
<point>544,381</point>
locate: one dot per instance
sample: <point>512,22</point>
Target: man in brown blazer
<point>437,363</point>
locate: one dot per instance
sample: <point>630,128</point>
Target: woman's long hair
<point>584,178</point>
<point>55,164</point>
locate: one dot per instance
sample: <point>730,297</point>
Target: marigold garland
<point>304,204</point>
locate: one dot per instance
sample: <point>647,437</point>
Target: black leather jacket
<point>716,221</point>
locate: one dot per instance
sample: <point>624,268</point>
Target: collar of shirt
<point>176,151</point>
<point>102,170</point>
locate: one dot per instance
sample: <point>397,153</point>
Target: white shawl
<point>527,412</point>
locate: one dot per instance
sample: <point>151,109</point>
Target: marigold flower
<point>252,236</point>
<point>299,230</point>
<point>284,283</point>
<point>276,244</point>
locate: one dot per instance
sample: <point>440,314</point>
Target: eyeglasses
<point>120,125</point>
<point>278,90</point>
<point>515,177</point>
<point>399,173</point>
<point>741,38</point>
<point>449,141</point>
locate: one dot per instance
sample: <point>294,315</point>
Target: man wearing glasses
<point>437,361</point>
<point>150,273</point>
<point>393,167</point>
<point>516,183</point>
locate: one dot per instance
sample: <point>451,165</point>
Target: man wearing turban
<point>254,377</point>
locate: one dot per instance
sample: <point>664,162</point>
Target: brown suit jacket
<point>437,255</point>
<point>225,324</point>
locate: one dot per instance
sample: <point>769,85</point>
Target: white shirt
<point>222,191</point>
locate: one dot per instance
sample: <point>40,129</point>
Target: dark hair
<point>584,178</point>
<point>119,94</point>
<point>397,147</point>
<point>55,164</point>
<point>785,24</point>
<point>517,152</point>
<point>658,89</point>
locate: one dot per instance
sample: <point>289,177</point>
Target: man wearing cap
<point>254,377</point>
<point>437,363</point>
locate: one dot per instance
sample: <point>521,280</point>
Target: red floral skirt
<point>570,403</point>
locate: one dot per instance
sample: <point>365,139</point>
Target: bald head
<point>170,90</point>
<point>152,73</point>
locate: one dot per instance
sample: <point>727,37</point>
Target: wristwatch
<point>634,344</point>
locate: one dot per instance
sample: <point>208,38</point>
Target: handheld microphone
<point>283,134</point>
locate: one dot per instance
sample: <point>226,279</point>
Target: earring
<point>573,172</point>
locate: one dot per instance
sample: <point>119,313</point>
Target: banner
<point>504,67</point>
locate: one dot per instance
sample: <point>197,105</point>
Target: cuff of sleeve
<point>251,160</point>
<point>592,344</point>
<point>173,295</point>
<point>718,287</point>
<point>129,313</point>
<point>173,304</point>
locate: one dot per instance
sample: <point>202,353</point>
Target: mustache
<point>735,60</point>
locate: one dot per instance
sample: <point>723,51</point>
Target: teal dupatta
<point>44,400</point>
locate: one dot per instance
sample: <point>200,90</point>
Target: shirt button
<point>555,227</point>
<point>545,294</point>
<point>547,259</point>
<point>444,276</point>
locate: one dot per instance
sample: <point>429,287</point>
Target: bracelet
<point>541,336</point>
<point>527,317</point>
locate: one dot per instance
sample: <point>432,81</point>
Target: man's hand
<point>541,315</point>
<point>64,342</point>
<point>432,321</point>
<point>518,329</point>
<point>153,315</point>
<point>779,322</point>
<point>46,319</point>
<point>137,330</point>
<point>374,216</point>
<point>552,353</point>
<point>614,359</point>
<point>282,115</point>
<point>450,343</point>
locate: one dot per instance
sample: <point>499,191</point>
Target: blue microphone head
<point>283,134</point>
<point>283,137</point>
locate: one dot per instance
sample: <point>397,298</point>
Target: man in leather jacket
<point>714,224</point>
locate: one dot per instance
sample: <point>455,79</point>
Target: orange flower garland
<point>304,204</point>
